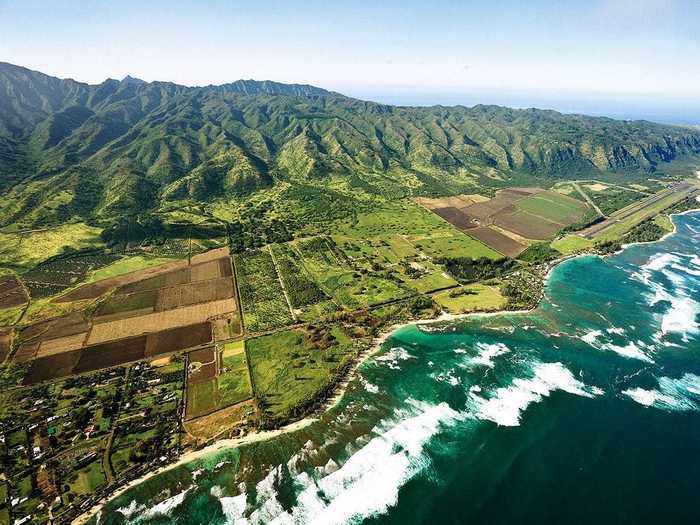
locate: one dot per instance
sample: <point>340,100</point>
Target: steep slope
<point>100,152</point>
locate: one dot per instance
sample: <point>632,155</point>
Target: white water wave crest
<point>392,357</point>
<point>672,394</point>
<point>486,353</point>
<point>507,404</point>
<point>367,484</point>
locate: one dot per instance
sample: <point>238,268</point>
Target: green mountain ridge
<point>100,152</point>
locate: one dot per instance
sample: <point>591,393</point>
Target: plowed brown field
<point>497,241</point>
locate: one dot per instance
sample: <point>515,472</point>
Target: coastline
<point>342,386</point>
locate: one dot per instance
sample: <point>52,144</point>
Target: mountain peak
<point>128,79</point>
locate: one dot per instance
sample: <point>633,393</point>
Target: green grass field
<point>453,244</point>
<point>570,244</point>
<point>230,387</point>
<point>126,265</point>
<point>478,298</point>
<point>289,372</point>
<point>664,222</point>
<point>551,206</point>
<point>25,250</point>
<point>234,380</point>
<point>88,479</point>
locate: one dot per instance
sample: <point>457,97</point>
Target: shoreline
<point>341,388</point>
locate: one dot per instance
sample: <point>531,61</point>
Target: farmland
<point>514,217</point>
<point>306,297</point>
<point>128,317</point>
<point>217,378</point>
<point>153,341</point>
<point>263,301</point>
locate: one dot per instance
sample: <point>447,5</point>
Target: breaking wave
<point>672,394</point>
<point>507,404</point>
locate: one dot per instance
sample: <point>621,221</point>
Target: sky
<point>624,58</point>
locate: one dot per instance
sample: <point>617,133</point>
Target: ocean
<point>585,410</point>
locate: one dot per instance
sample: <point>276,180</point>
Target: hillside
<point>99,153</point>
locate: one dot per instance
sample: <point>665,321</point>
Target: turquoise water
<point>585,410</point>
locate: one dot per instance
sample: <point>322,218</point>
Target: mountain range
<point>73,151</point>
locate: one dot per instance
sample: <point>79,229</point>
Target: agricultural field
<point>263,301</point>
<point>515,217</point>
<point>501,243</point>
<point>127,264</point>
<point>55,276</point>
<point>307,299</point>
<point>471,298</point>
<point>541,215</point>
<point>347,283</point>
<point>129,317</point>
<point>457,201</point>
<point>217,378</point>
<point>12,293</point>
<point>291,370</point>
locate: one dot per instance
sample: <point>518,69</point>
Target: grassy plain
<point>24,250</point>
<point>471,298</point>
<point>127,264</point>
<point>552,207</point>
<point>571,243</point>
<point>289,372</point>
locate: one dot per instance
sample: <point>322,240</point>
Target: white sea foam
<point>131,509</point>
<point>673,394</point>
<point>632,350</point>
<point>165,507</point>
<point>681,317</point>
<point>616,331</point>
<point>393,356</point>
<point>371,388</point>
<point>685,269</point>
<point>660,261</point>
<point>591,336</point>
<point>486,353</point>
<point>447,377</point>
<point>367,483</point>
<point>677,279</point>
<point>507,404</point>
<point>233,507</point>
